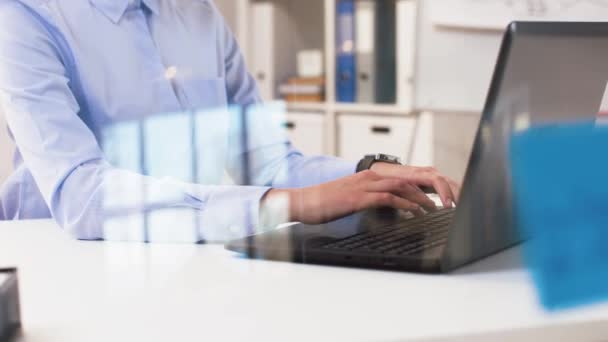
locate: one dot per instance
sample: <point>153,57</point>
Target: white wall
<point>454,66</point>
<point>453,73</point>
<point>6,150</point>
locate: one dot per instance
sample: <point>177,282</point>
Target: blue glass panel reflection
<point>560,180</point>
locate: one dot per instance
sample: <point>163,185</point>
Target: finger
<point>455,189</point>
<point>418,213</point>
<point>386,199</point>
<point>414,193</point>
<point>427,189</point>
<point>440,185</point>
<point>404,189</point>
<point>383,184</point>
<point>444,191</point>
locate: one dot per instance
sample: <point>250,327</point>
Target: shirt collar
<point>115,9</point>
<point>152,5</point>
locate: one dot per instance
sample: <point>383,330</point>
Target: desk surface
<point>103,291</point>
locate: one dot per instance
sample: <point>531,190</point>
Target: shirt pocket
<point>206,94</point>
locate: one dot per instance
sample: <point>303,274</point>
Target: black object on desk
<point>10,316</point>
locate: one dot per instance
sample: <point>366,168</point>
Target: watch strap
<point>365,163</point>
<point>369,160</point>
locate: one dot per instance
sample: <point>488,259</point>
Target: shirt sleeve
<point>78,184</point>
<point>273,160</point>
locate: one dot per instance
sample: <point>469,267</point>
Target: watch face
<point>388,158</point>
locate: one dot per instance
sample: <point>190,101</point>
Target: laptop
<point>547,72</point>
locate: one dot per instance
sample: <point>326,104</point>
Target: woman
<point>69,68</point>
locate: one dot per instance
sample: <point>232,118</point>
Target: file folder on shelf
<point>375,37</point>
<point>346,82</point>
<point>272,57</point>
<point>385,51</point>
<point>406,51</point>
<point>365,37</point>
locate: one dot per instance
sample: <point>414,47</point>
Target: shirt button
<point>171,72</point>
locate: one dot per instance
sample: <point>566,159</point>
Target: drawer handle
<point>290,125</point>
<point>381,130</point>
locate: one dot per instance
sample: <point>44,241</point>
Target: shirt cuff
<point>344,168</point>
<point>230,212</point>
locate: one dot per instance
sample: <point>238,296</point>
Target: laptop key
<point>405,238</point>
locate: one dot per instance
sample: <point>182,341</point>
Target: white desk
<point>100,291</point>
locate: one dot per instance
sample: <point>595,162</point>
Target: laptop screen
<point>546,73</point>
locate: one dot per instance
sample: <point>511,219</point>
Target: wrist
<point>381,166</point>
<point>277,207</point>
<point>392,170</point>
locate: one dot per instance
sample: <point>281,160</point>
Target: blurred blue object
<point>560,185</point>
<point>122,145</point>
<point>168,150</point>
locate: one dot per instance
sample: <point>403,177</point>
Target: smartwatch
<point>369,160</point>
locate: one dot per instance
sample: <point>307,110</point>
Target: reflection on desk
<point>107,291</point>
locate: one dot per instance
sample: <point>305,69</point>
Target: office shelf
<point>307,24</point>
<point>307,106</point>
<point>371,108</point>
<point>350,108</point>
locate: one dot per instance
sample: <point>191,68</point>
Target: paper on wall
<point>497,14</point>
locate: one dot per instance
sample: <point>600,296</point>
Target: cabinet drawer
<point>306,131</point>
<point>365,134</point>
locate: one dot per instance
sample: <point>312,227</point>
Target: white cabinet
<point>306,132</point>
<point>365,134</point>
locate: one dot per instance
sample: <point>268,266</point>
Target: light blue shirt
<point>69,68</point>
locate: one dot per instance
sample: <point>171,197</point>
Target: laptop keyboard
<point>409,237</point>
